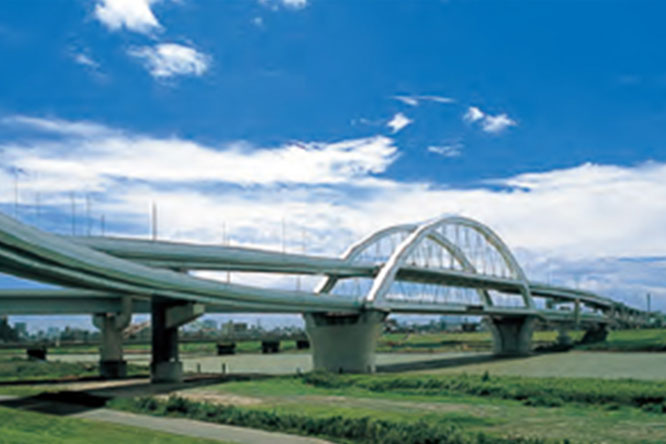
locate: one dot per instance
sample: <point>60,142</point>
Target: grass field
<point>20,369</point>
<point>537,399</point>
<point>22,427</point>
<point>497,408</point>
<point>618,340</point>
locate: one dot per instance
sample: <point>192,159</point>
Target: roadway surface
<point>175,426</point>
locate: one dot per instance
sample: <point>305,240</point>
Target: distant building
<point>53,333</point>
<point>21,329</point>
<point>7,333</point>
<point>209,324</point>
<point>239,327</point>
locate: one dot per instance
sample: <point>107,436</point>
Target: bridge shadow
<point>89,393</point>
<point>72,401</point>
<point>433,364</point>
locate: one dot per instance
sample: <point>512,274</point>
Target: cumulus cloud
<point>473,114</point>
<point>134,15</point>
<point>333,193</point>
<point>489,123</point>
<point>398,122</point>
<point>170,59</point>
<point>105,153</point>
<point>498,123</point>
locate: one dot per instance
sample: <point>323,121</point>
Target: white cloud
<point>567,218</point>
<point>489,123</point>
<point>135,15</point>
<point>170,59</point>
<point>414,100</point>
<point>58,126</point>
<point>295,4</point>
<point>85,60</point>
<point>289,4</point>
<point>473,114</point>
<point>452,150</point>
<point>258,22</point>
<point>105,153</point>
<point>398,122</point>
<point>498,123</point>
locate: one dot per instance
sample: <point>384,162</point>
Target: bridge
<point>450,265</point>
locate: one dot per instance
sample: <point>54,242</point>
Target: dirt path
<point>196,429</point>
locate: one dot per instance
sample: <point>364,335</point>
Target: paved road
<point>176,426</point>
<point>196,429</point>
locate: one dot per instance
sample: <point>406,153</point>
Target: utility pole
<point>649,302</point>
<point>88,220</point>
<point>73,204</point>
<point>154,221</point>
<point>37,207</point>
<point>284,231</point>
<point>102,225</point>
<point>16,192</point>
<point>225,242</point>
<point>298,277</point>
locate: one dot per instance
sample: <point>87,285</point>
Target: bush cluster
<point>546,392</point>
<point>363,429</point>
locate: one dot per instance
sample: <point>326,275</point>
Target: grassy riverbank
<point>428,408</point>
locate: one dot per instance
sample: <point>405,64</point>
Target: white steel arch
<point>357,248</point>
<point>387,274</point>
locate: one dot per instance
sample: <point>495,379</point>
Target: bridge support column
<point>344,343</point>
<point>597,333</point>
<point>563,337</point>
<point>167,316</point>
<point>512,336</point>
<point>111,325</point>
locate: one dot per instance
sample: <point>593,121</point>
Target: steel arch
<point>387,274</point>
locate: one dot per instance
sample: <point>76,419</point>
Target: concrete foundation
<point>164,366</point>
<point>512,336</point>
<point>595,334</point>
<point>113,369</point>
<point>166,372</point>
<point>111,326</point>
<point>344,343</point>
<point>563,337</point>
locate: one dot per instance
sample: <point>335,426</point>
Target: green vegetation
<point>19,369</point>
<point>363,429</point>
<point>549,392</point>
<point>187,348</point>
<point>473,411</point>
<point>21,427</point>
<point>427,342</point>
<point>453,341</point>
<point>651,340</point>
<point>618,340</point>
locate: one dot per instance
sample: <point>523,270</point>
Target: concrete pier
<point>344,343</point>
<point>563,338</point>
<point>167,315</point>
<point>111,325</point>
<point>597,333</point>
<point>512,335</point>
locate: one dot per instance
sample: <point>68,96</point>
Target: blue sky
<point>544,119</point>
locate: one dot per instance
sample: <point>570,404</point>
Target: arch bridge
<point>450,265</point>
